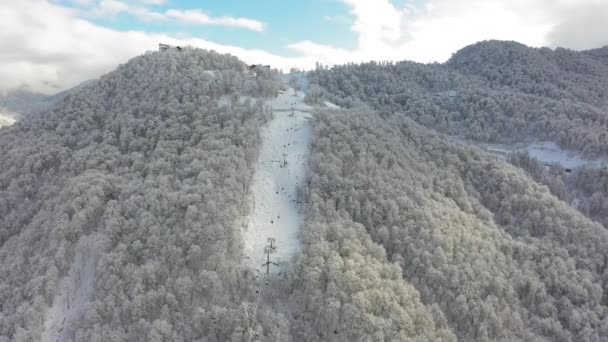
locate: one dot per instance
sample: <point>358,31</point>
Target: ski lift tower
<point>270,248</point>
<point>284,159</point>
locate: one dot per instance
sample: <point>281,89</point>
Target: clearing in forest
<point>279,170</point>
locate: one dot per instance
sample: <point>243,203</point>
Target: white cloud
<point>111,7</point>
<point>189,16</point>
<point>83,2</point>
<point>581,27</point>
<point>377,23</point>
<point>439,28</point>
<point>153,2</point>
<point>196,16</point>
<point>46,47</point>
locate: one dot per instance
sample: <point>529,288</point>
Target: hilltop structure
<point>164,47</point>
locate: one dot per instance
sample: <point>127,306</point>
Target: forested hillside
<point>490,255</point>
<point>122,207</point>
<point>136,180</point>
<point>491,91</point>
<point>585,188</point>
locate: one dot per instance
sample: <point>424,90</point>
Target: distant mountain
<point>492,91</point>
<point>458,221</point>
<point>600,54</point>
<point>556,74</point>
<point>24,103</point>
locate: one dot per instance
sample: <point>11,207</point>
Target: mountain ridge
<point>493,98</point>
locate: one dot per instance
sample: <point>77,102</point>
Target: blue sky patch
<point>286,21</point>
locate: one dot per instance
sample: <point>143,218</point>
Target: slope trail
<point>279,171</point>
<point>74,292</point>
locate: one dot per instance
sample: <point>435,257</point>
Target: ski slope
<point>274,211</point>
<point>74,292</point>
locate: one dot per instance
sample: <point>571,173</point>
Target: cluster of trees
<point>483,252</point>
<point>491,91</point>
<point>149,169</point>
<point>345,287</point>
<point>585,188</point>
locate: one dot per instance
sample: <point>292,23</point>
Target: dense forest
<point>140,175</point>
<point>121,205</point>
<point>585,188</point>
<point>492,91</point>
<point>490,254</point>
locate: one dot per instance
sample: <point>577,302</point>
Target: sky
<point>51,45</point>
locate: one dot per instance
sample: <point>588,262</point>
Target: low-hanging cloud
<point>581,27</point>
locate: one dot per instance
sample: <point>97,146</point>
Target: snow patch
<point>331,105</point>
<point>280,168</point>
<point>548,152</point>
<point>73,294</point>
<point>227,100</point>
<point>501,151</point>
<point>6,120</point>
<point>288,100</point>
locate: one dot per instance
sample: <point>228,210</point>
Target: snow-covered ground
<point>546,152</point>
<point>6,120</point>
<point>331,105</point>
<point>274,212</point>
<point>73,293</point>
<point>226,100</point>
<point>298,78</point>
<point>289,98</point>
<point>500,150</point>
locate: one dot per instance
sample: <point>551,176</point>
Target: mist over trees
<point>492,91</point>
<point>24,103</point>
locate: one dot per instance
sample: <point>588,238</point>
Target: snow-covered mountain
<point>492,92</point>
<point>139,207</point>
<point>132,186</point>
